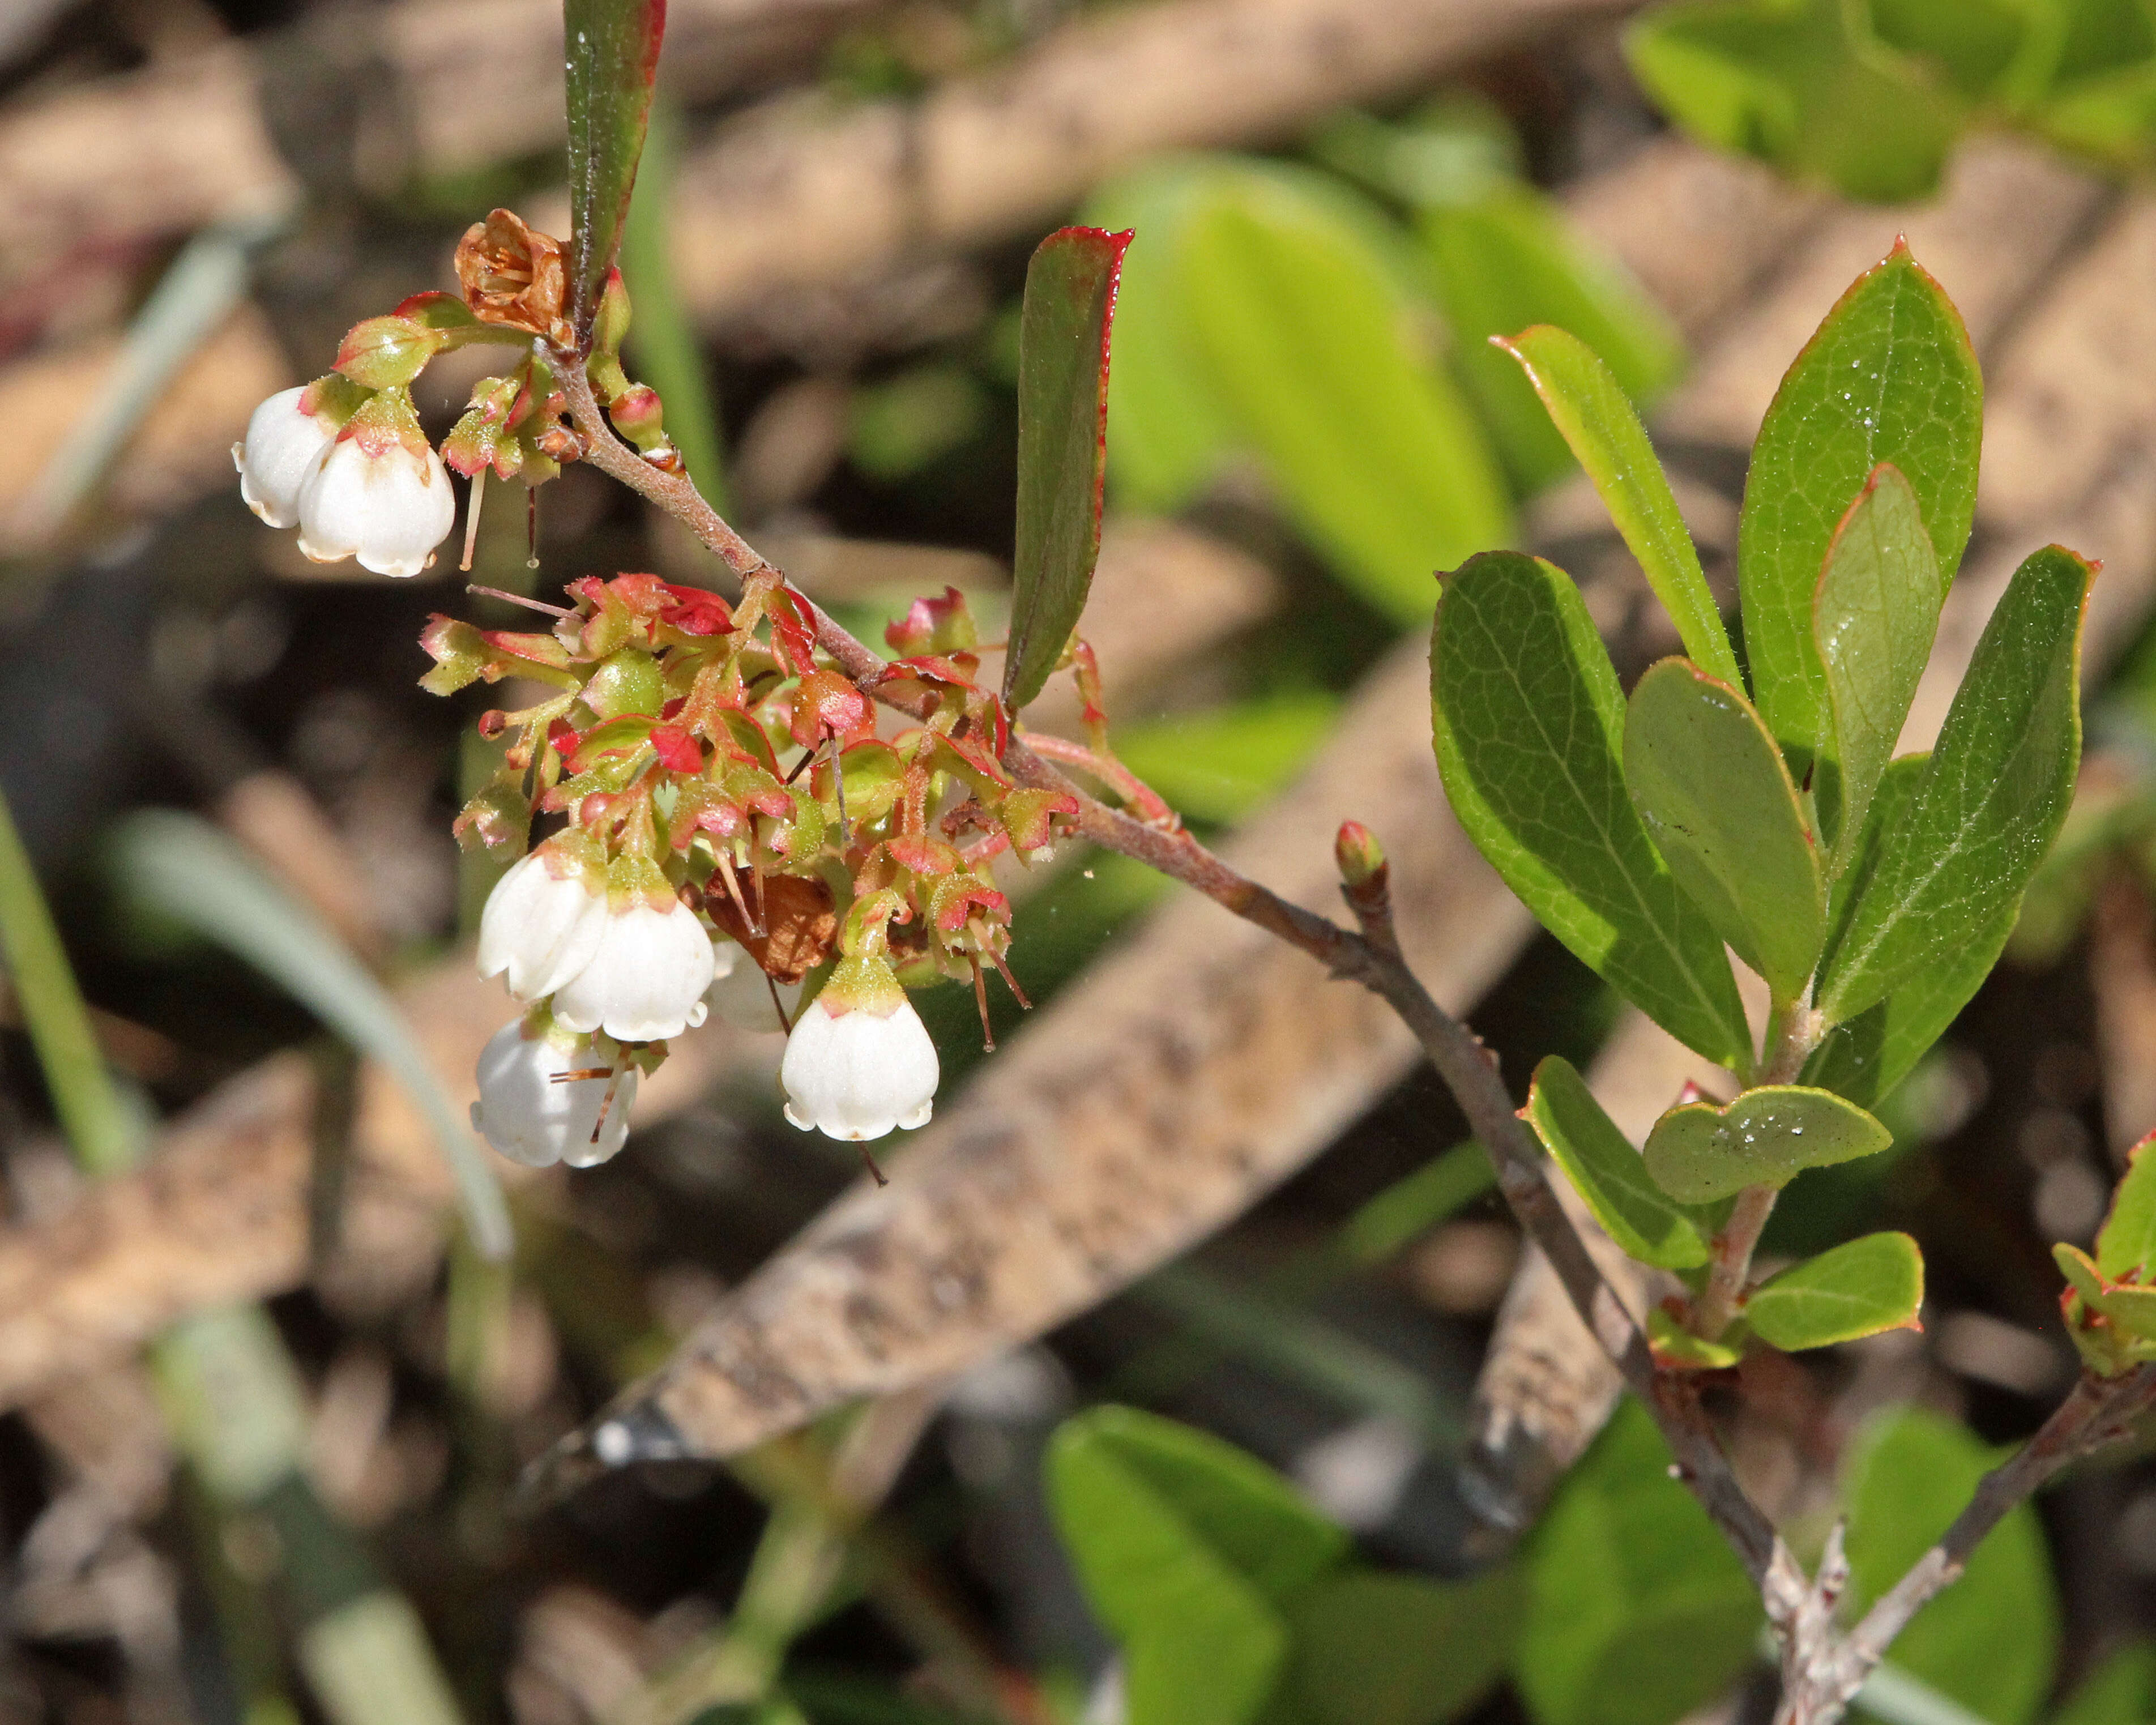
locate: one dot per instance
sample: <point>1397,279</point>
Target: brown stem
<point>1731,1264</point>
<point>2100,1411</point>
<point>1102,765</point>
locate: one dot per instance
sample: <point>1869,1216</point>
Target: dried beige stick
<point>791,195</point>
<point>128,161</point>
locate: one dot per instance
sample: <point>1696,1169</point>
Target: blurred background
<point>265,1408</point>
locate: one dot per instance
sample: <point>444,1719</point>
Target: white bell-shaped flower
<point>531,1115</point>
<point>285,442</point>
<point>860,1064</point>
<point>541,923</point>
<point>380,494</point>
<point>646,979</point>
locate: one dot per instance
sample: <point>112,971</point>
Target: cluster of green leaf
<point>1331,327</point>
<point>1870,96</point>
<point>1234,1602</point>
<point>1759,808</point>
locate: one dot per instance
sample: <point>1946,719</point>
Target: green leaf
<point>1677,1346</point>
<point>1590,408</point>
<point>1990,1641</point>
<point>1187,1547</point>
<point>2131,1306</point>
<point>1510,258</point>
<point>612,59</point>
<point>1873,1284</point>
<point>1260,1525</point>
<point>1699,1152</point>
<point>1172,431</point>
<point>1062,446</point>
<point>1373,1649</point>
<point>1803,84</point>
<point>1990,801</point>
<point>1873,618</point>
<point>1608,1172</point>
<point>183,868</point>
<point>1717,800</point>
<point>1315,347</point>
<point>1223,764</point>
<point>1889,376</point>
<point>2126,1245</point>
<point>1637,1611</point>
<point>1866,1057</point>
<point>1527,718</point>
<point>2122,1690</point>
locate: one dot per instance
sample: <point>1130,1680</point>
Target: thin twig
<point>1823,1669</point>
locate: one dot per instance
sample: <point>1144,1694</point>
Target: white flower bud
<point>530,1118</point>
<point>284,444</point>
<point>646,980</point>
<point>376,498</point>
<point>540,926</point>
<point>856,1074</point>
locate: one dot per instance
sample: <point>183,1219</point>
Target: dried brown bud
<point>557,443</point>
<point>801,925</point>
<point>513,276</point>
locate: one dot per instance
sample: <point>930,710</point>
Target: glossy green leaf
<point>1509,259</point>
<point>1803,85</point>
<point>1873,1284</point>
<point>1637,1610</point>
<point>1889,376</point>
<point>1864,1057</point>
<point>1717,800</point>
<point>613,58</point>
<point>1187,1547</point>
<point>1990,1641</point>
<point>1172,433</point>
<point>1990,801</point>
<point>1873,618</point>
<point>1374,1649</point>
<point>1313,345</point>
<point>1062,446</point>
<point>2121,1691</point>
<point>1528,719</point>
<point>1590,408</point>
<point>2126,1245</point>
<point>1700,1152</point>
<point>1608,1173</point>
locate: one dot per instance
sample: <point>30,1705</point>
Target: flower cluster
<point>716,787</point>
<point>724,793</point>
<point>344,458</point>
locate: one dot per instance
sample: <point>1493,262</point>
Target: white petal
<point>390,509</point>
<point>647,979</point>
<point>531,1119</point>
<point>540,927</point>
<point>283,447</point>
<point>857,1075</point>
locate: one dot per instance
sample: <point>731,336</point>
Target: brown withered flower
<point>800,925</point>
<point>513,276</point>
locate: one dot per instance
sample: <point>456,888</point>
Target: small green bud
<point>627,681</point>
<point>1361,858</point>
<point>382,351</point>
